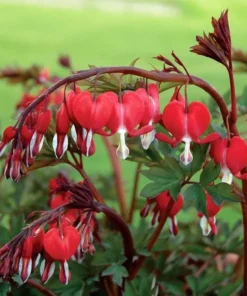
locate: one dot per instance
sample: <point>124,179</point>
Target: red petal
<point>43,121</point>
<point>212,208</point>
<point>217,150</point>
<point>69,104</point>
<point>62,120</point>
<point>149,110</point>
<point>174,119</point>
<point>143,130</point>
<point>236,156</point>
<point>164,138</point>
<point>198,119</point>
<point>209,138</point>
<point>133,110</point>
<point>8,134</point>
<point>61,248</point>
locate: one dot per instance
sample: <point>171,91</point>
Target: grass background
<point>35,34</point>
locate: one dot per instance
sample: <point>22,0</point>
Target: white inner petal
<point>74,133</point>
<point>122,150</point>
<point>88,141</point>
<point>186,157</point>
<point>147,139</point>
<point>227,176</point>
<point>54,144</point>
<point>206,228</point>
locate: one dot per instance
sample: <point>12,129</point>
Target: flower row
<point>134,113</point>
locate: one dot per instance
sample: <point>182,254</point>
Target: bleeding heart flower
<point>208,224</point>
<point>61,245</point>
<point>231,155</point>
<point>60,140</point>
<point>25,263</point>
<point>92,115</point>
<point>125,117</point>
<point>186,126</point>
<point>12,165</point>
<point>151,104</point>
<point>43,122</point>
<point>162,201</point>
<point>26,136</point>
<point>8,135</point>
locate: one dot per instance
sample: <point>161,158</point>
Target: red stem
<point>39,287</point>
<point>122,227</point>
<point>153,75</point>
<point>244,215</point>
<point>234,115</point>
<point>117,176</point>
<point>134,193</point>
<point>153,239</point>
<point>78,167</point>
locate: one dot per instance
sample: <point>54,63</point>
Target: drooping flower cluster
<point>161,203</point>
<point>160,206</point>
<point>68,235</point>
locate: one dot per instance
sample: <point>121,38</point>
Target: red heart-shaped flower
<point>127,114</point>
<point>92,114</point>
<point>236,156</point>
<point>59,246</point>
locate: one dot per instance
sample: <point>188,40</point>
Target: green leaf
<point>231,289</point>
<point>210,173</point>
<point>195,193</point>
<point>167,85</point>
<point>4,235</point>
<point>17,223</point>
<point>219,129</point>
<point>166,178</point>
<point>193,284</point>
<point>199,156</point>
<point>222,192</point>
<point>118,272</point>
<point>109,270</point>
<point>175,190</point>
<point>153,189</point>
<point>145,286</point>
<point>175,287</point>
<point>154,174</point>
<point>130,289</point>
<point>4,288</point>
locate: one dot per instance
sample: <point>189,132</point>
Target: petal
<point>208,139</point>
<point>64,274</point>
<point>147,139</point>
<point>186,156</point>
<point>122,150</point>
<point>173,226</point>
<point>148,104</point>
<point>206,228</point>
<point>133,110</point>
<point>62,120</point>
<point>236,156</point>
<point>174,119</point>
<point>198,119</point>
<point>141,131</point>
<point>164,138</point>
<point>218,149</point>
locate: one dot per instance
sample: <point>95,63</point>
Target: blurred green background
<point>105,33</point>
